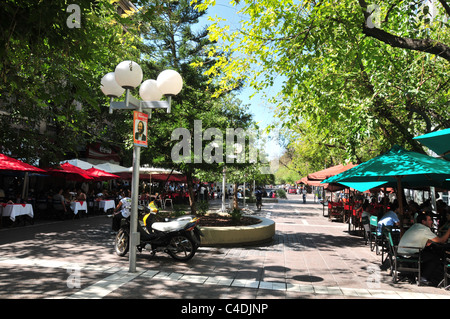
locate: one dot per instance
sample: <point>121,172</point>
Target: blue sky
<point>259,106</point>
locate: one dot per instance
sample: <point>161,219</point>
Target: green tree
<point>50,73</point>
<point>171,41</point>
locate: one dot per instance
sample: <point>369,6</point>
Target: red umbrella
<point>12,164</point>
<point>100,175</point>
<point>315,179</point>
<point>70,172</point>
<point>331,171</point>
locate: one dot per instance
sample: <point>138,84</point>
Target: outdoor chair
<point>353,219</point>
<point>410,264</point>
<point>167,200</point>
<point>58,209</point>
<point>375,238</point>
<point>41,207</point>
<point>388,248</point>
<point>335,211</point>
<point>92,205</point>
<point>366,225</point>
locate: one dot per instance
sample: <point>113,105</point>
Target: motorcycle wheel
<point>122,243</point>
<point>181,248</point>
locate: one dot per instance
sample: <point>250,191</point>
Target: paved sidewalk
<point>309,258</point>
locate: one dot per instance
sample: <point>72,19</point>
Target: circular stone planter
<point>239,235</point>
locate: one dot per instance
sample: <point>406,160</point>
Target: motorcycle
<point>179,237</point>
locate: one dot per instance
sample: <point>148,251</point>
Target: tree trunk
<point>235,198</point>
<point>190,184</point>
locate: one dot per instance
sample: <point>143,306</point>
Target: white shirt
<point>416,236</point>
<point>125,209</point>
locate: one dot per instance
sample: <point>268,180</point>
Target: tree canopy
<point>356,78</point>
<point>50,72</point>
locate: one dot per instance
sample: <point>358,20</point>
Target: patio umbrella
<point>405,168</point>
<point>79,163</point>
<point>11,164</point>
<point>112,168</point>
<point>100,175</point>
<point>412,168</point>
<point>438,142</point>
<point>330,171</point>
<point>316,178</point>
<point>70,172</point>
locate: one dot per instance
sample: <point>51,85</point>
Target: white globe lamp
<point>169,82</point>
<point>149,91</point>
<point>128,74</point>
<point>110,87</point>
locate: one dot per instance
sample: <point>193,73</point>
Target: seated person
<point>80,196</point>
<point>421,236</point>
<point>365,216</point>
<point>59,198</point>
<point>389,219</point>
<point>445,226</point>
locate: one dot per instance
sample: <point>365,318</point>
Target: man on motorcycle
<point>122,210</point>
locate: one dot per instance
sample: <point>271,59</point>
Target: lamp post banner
<point>140,121</point>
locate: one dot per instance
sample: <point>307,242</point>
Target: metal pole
<point>223,190</point>
<point>244,194</point>
<point>134,235</point>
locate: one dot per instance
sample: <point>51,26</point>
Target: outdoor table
<point>78,205</point>
<point>106,204</point>
<point>14,210</point>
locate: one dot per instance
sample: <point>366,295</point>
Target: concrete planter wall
<point>239,235</point>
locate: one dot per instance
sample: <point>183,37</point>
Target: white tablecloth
<point>76,206</point>
<point>14,210</point>
<point>106,204</point>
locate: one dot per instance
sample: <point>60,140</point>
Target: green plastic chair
<point>389,245</point>
<point>374,238</point>
<point>408,264</point>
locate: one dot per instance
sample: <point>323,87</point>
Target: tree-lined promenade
<point>356,78</point>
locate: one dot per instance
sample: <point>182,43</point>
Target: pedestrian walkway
<point>309,258</point>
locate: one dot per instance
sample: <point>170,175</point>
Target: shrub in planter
<point>236,215</point>
<point>281,193</point>
<point>202,207</point>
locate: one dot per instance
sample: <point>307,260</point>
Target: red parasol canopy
<point>315,179</point>
<point>70,172</point>
<point>328,172</point>
<point>100,175</point>
<point>12,164</point>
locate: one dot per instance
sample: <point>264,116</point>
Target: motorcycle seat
<point>169,226</point>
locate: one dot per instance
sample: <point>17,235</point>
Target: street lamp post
<point>224,209</point>
<point>127,76</point>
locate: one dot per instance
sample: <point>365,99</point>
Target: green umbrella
<point>401,167</point>
<point>438,142</point>
<point>413,169</point>
<point>363,186</point>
